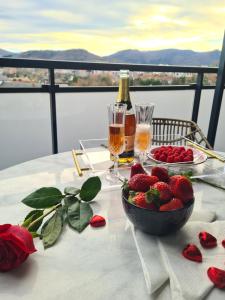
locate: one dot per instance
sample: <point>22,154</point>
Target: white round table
<point>100,263</point>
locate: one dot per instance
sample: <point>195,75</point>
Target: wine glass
<point>116,136</point>
<point>143,135</point>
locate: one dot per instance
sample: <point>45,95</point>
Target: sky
<point>104,27</point>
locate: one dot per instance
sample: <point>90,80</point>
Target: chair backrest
<point>173,131</point>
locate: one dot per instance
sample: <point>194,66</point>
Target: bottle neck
<point>123,94</point>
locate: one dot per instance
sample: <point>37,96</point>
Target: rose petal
<point>4,263</point>
<point>223,243</point>
<point>192,252</point>
<point>21,237</point>
<point>20,255</point>
<point>97,221</point>
<point>217,276</point>
<point>4,227</point>
<point>16,243</point>
<point>207,240</point>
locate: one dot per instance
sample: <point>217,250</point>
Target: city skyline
<point>103,27</point>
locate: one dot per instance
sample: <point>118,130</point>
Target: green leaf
<point>43,198</point>
<point>52,229</point>
<point>125,186</point>
<point>153,196</point>
<point>71,191</point>
<point>131,196</point>
<point>69,200</point>
<point>33,215</point>
<point>79,215</point>
<point>171,173</point>
<point>188,174</point>
<point>130,199</point>
<point>90,188</point>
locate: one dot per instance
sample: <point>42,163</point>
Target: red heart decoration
<point>192,252</point>
<point>97,221</point>
<point>217,276</point>
<point>223,243</point>
<point>207,240</point>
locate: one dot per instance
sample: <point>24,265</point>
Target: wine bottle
<point>130,124</point>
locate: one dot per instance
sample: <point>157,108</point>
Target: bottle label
<point>129,143</point>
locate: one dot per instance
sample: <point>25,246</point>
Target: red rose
<point>16,243</point>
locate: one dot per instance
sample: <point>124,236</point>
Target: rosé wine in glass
<point>116,138</point>
<point>143,137</point>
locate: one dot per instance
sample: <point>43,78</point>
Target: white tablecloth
<point>96,264</point>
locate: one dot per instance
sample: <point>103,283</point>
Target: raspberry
<point>170,159</point>
<point>162,157</point>
<point>190,151</point>
<point>157,156</point>
<point>181,158</point>
<point>187,158</point>
<point>176,158</point>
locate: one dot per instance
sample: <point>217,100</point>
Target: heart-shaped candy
<point>97,221</point>
<point>192,252</point>
<point>223,243</point>
<point>217,276</point>
<point>207,240</point>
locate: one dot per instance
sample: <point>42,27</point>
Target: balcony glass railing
<point>51,115</point>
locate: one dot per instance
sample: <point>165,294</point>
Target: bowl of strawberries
<point>157,203</point>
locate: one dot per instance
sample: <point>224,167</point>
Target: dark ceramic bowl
<point>157,222</point>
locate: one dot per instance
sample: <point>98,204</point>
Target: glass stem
<point>142,157</point>
<point>116,164</point>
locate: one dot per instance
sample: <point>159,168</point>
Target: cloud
<point>104,27</point>
<point>64,16</point>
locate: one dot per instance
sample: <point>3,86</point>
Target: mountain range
<point>165,57</point>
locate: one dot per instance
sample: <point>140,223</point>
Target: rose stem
<point>44,215</point>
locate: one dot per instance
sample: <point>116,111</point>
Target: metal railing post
<point>197,98</point>
<point>217,99</point>
<point>53,111</point>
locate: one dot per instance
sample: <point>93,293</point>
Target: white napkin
<point>155,272</point>
<point>189,280</point>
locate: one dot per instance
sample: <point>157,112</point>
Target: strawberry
<point>164,191</point>
<point>175,203</point>
<point>137,169</point>
<point>173,179</point>
<point>140,200</point>
<point>181,187</point>
<point>161,173</point>
<point>140,182</point>
<point>153,179</point>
